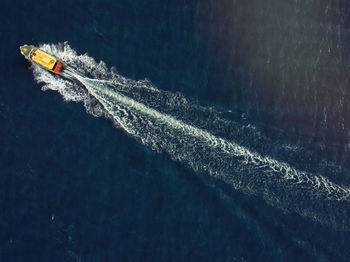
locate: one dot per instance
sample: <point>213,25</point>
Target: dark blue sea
<point>221,133</point>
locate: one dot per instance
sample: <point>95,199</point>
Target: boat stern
<point>58,67</point>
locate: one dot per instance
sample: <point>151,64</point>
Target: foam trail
<point>139,109</point>
<point>109,99</point>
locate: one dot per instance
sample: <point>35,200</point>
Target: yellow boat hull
<point>42,58</point>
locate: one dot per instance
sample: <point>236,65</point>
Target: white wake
<point>190,134</point>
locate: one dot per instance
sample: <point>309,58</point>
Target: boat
<point>43,59</point>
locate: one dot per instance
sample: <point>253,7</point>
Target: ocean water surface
<point>179,131</point>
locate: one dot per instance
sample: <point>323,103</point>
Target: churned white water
<point>190,134</point>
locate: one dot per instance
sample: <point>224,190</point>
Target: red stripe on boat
<point>58,66</point>
<point>32,51</point>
